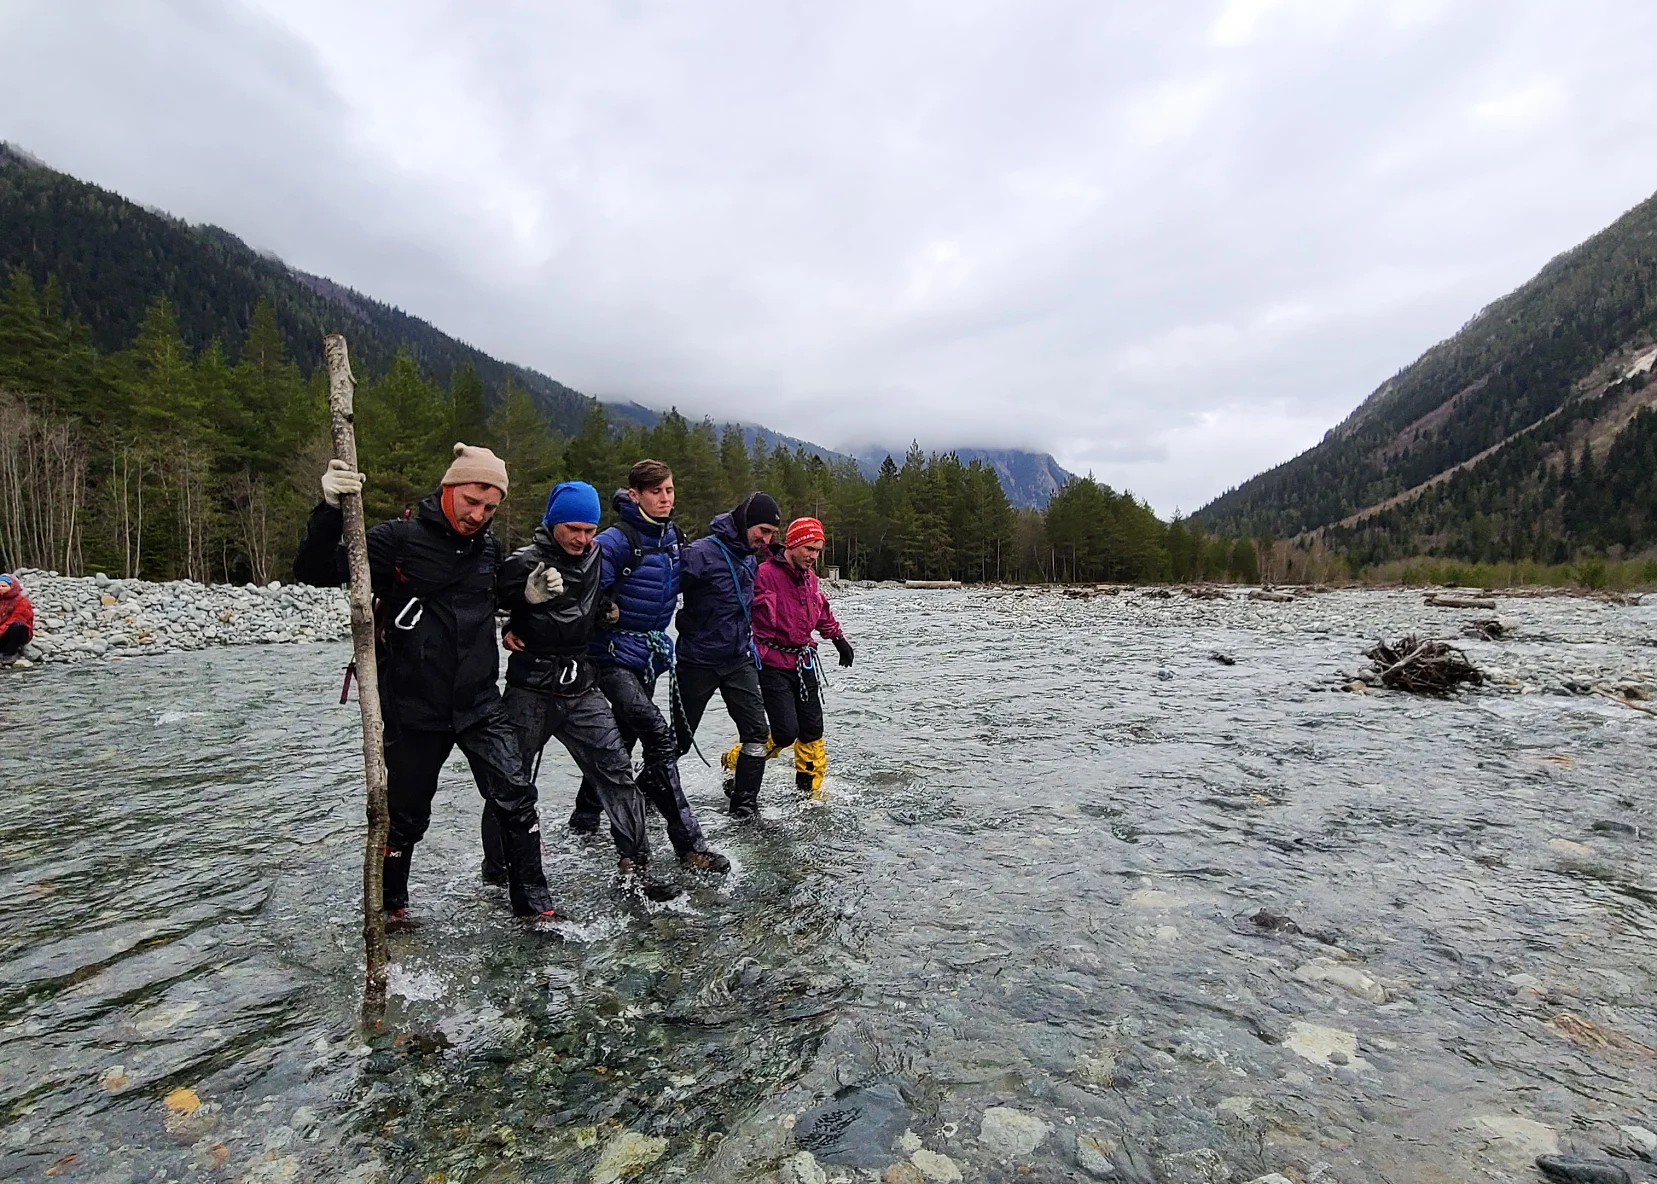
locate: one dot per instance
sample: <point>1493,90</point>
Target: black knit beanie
<point>757,509</point>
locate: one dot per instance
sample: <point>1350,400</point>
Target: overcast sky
<point>1170,243</point>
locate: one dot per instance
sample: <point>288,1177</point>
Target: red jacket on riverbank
<point>15,608</point>
<point>788,606</point>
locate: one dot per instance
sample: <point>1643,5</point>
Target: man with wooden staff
<point>433,573</point>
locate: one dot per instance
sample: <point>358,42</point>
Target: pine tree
<point>518,433</point>
<point>468,412</point>
<point>591,456</point>
<point>401,427</point>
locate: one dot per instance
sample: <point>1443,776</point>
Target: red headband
<point>804,530</point>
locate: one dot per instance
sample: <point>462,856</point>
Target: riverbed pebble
<point>1008,1132</point>
<point>625,1155</point>
<point>1322,1045</point>
<point>1350,979</point>
<point>1093,1157</point>
<point>936,1167</point>
<point>95,618</point>
<point>802,1168</point>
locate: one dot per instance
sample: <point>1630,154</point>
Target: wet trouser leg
<point>810,754</point>
<point>796,713</point>
<point>588,809</point>
<point>696,686</point>
<point>781,692</point>
<point>587,728</point>
<point>637,715</point>
<point>13,639</point>
<point>412,762</point>
<point>494,748</point>
<point>740,689</point>
<point>494,847</point>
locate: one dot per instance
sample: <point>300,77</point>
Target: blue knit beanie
<point>572,501</point>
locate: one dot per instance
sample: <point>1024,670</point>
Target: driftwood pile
<point>1487,629</point>
<point>1422,667</point>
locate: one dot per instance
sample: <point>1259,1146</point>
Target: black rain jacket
<point>438,658</point>
<point>555,634</point>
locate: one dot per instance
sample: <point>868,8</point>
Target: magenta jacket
<point>787,606</point>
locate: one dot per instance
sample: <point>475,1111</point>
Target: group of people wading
<point>586,624</point>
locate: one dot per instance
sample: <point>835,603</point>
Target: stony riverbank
<point>95,618</point>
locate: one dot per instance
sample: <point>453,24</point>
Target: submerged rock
<point>1324,1046</point>
<point>1524,1136</point>
<point>856,1128</point>
<point>802,1168</point>
<point>626,1155</point>
<point>1093,1157</point>
<point>1011,1133</point>
<point>1580,1171</point>
<point>936,1167</point>
<point>1202,1166</point>
<point>1348,978</point>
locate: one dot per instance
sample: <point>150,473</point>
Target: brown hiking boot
<point>636,877</point>
<point>705,861</point>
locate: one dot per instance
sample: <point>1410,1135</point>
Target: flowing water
<point>1162,918</point>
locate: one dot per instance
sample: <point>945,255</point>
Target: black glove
<point>845,648</point>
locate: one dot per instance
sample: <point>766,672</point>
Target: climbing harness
<point>661,647</point>
<point>806,666</point>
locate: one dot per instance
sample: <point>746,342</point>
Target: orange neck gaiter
<point>448,500</point>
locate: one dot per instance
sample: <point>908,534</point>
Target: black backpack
<point>635,540</point>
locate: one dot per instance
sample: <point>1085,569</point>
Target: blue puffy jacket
<point>718,582</point>
<point>647,597</point>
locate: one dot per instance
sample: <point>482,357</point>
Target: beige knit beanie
<point>473,463</point>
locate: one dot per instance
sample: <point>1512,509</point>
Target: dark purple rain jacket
<point>717,579</point>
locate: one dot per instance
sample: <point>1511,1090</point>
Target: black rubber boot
<point>588,812</point>
<point>527,882</point>
<point>804,782</point>
<point>705,861</point>
<point>394,879</point>
<point>750,772</point>
<point>636,877</point>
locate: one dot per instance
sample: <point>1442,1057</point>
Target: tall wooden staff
<point>340,390</point>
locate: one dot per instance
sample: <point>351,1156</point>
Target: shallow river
<point>1165,919</point>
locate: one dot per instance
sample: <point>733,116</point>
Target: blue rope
<point>661,646</point>
<point>745,605</point>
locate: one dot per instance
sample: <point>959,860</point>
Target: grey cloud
<point>1171,244</point>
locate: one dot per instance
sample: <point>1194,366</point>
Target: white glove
<point>338,478</point>
<point>543,584</point>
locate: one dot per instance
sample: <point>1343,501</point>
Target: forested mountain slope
<point>1520,437</point>
<point>1030,478</point>
<point>111,257</point>
<point>163,415</point>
